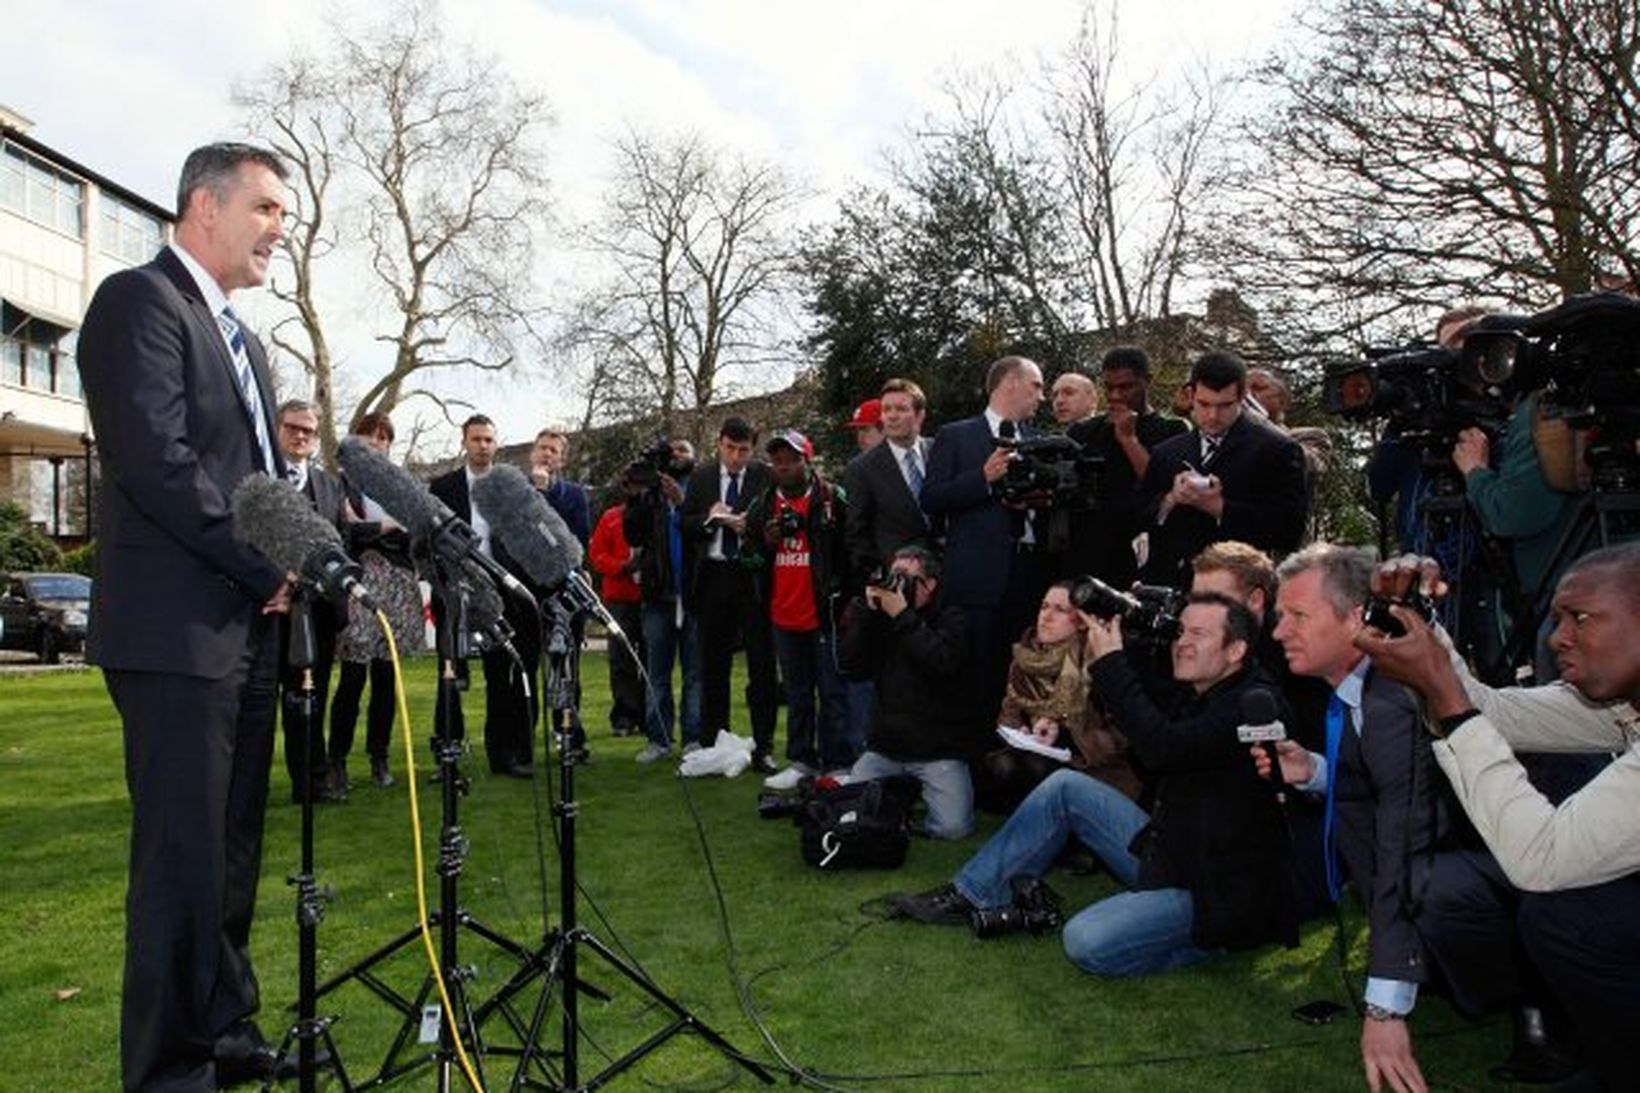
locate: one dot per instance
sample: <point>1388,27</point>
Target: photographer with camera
<point>902,634</point>
<point>611,557</point>
<point>1205,867</point>
<point>1439,910</point>
<point>803,564</point>
<point>1578,863</point>
<point>1234,477</point>
<point>652,524</point>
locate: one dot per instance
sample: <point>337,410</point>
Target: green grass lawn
<point>857,1002</point>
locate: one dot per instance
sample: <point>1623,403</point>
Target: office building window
<point>33,188</point>
<point>127,232</point>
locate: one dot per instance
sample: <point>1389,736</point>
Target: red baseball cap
<point>867,415</point>
<point>790,438</point>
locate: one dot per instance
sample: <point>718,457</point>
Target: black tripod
<point>555,963</point>
<point>425,1010</point>
<point>309,1030</point>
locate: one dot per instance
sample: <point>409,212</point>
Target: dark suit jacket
<point>1390,817</point>
<point>569,500</point>
<point>979,537</point>
<point>174,441</point>
<point>883,516</point>
<point>1266,497</point>
<point>700,493</point>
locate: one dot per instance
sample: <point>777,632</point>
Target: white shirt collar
<point>215,298</point>
<point>994,420</point>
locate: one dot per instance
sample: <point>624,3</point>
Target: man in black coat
<point>994,568</point>
<point>724,593</point>
<point>298,437</point>
<point>884,483</point>
<point>181,399</point>
<point>914,646</point>
<point>1205,868</point>
<point>1234,476</point>
<point>509,719</point>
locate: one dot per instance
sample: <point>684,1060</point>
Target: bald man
<point>1075,399</point>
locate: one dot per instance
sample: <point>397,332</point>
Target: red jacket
<point>608,552</point>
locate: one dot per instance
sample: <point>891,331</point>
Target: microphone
<point>529,529</point>
<point>276,520</point>
<point>428,520</point>
<point>1261,724</point>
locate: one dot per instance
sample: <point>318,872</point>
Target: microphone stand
<point>556,963</point>
<point>308,1028</point>
<point>421,1012</point>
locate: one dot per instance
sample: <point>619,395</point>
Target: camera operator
<point>901,634</point>
<point>652,527</point>
<point>1439,910</point>
<point>1578,862</point>
<point>1123,436</point>
<point>617,564</point>
<point>1205,868</point>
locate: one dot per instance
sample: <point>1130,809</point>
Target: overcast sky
<point>127,88</point>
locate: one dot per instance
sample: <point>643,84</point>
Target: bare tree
<point>701,247</point>
<point>425,154</point>
<point>1413,154</point>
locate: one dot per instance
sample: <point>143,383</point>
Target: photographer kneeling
<point>1578,862</point>
<point>1206,868</point>
<point>914,646</point>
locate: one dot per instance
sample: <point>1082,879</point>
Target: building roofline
<point>17,136</point>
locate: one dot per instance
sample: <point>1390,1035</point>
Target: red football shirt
<point>791,606</point>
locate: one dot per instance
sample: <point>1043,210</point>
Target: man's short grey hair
<point>294,406</point>
<point>215,166</point>
<point>1346,573</point>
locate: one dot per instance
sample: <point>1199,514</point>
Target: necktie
<point>235,334</point>
<point>913,476</point>
<point>731,497</point>
<point>1210,448</point>
<point>294,473</point>
<point>1336,713</point>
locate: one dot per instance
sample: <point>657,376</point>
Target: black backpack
<point>858,825</point>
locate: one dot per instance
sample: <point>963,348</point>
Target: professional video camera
<point>1054,468</point>
<point>1584,355</point>
<point>1148,612</point>
<point>654,461</point>
<point>1421,391</point>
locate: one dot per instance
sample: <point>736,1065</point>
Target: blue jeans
<point>663,642</point>
<point>1130,933</point>
<point>947,790</point>
<point>808,664</point>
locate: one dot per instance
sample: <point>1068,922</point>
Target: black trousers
<point>344,709</point>
<point>1586,944</point>
<point>197,755</point>
<point>625,683</point>
<point>509,721</point>
<point>1467,922</point>
<point>992,631</point>
<point>726,606</point>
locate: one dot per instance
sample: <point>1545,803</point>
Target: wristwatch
<point>1446,726</point>
<point>1375,1012</point>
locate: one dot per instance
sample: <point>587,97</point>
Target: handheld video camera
<point>653,461</point>
<point>1052,467</point>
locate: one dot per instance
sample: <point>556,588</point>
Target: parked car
<point>45,613</point>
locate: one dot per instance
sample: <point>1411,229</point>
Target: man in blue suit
<point>993,570</point>
<point>182,402</point>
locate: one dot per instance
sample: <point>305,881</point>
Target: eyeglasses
<point>299,430</point>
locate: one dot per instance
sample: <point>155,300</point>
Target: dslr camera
<point>1035,910</point>
<point>886,578</point>
<point>1051,467</point>
<point>1148,612</point>
<point>789,522</point>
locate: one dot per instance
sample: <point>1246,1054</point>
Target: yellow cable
<point>421,867</point>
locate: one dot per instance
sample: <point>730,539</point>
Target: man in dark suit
<point>1439,909</point>
<point>1123,436</point>
<point>181,399</point>
<point>723,594</point>
<point>298,436</point>
<point>884,482</point>
<point>509,714</point>
<point>1233,477</point>
<point>993,570</point>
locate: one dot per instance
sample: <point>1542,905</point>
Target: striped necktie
<point>913,474</point>
<point>248,391</point>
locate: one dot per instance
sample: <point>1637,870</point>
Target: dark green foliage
<point>22,546</point>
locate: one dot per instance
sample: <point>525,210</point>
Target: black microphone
<point>278,521</point>
<point>1261,724</point>
<point>529,529</point>
<point>428,520</point>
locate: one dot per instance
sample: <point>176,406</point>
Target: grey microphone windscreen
<point>279,522</point>
<point>531,532</point>
<point>391,486</point>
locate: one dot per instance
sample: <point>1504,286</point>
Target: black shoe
<point>338,778</point>
<point>942,906</point>
<point>1537,1057</point>
<point>379,774</point>
<point>514,770</point>
<point>764,764</point>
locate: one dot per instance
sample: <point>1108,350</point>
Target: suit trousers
<point>197,755</point>
<point>726,605</point>
<point>509,719</point>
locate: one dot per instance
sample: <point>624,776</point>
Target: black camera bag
<point>859,825</point>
